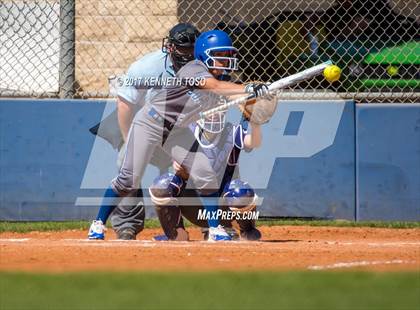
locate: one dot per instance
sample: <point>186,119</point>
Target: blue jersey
<point>153,65</point>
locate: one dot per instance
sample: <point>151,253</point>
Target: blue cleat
<point>97,231</point>
<point>219,234</point>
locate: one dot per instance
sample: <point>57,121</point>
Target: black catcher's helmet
<point>179,44</point>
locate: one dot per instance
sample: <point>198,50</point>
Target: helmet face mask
<point>222,58</point>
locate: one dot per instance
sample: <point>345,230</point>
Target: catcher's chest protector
<point>225,152</point>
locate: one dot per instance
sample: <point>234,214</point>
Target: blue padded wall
<point>388,161</point>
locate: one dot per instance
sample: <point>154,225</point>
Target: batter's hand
<point>180,171</point>
<point>260,90</point>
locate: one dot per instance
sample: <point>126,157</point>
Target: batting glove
<point>260,90</point>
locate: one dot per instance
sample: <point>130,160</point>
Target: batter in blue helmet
<point>163,124</point>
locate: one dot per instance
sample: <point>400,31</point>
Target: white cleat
<point>219,234</point>
<point>97,231</point>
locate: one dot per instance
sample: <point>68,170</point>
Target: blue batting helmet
<point>239,196</point>
<point>208,47</point>
<point>166,188</point>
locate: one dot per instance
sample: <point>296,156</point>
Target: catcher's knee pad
<point>165,189</point>
<point>239,196</point>
<point>164,192</point>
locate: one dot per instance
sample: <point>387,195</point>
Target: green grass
<point>22,227</point>
<point>274,290</point>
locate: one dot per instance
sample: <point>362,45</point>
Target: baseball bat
<point>279,84</point>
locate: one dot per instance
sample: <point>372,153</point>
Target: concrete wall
<point>248,11</point>
<point>319,159</point>
<point>110,35</point>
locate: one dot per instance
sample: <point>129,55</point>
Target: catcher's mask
<point>213,123</point>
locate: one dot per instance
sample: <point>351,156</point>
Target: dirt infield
<point>282,248</point>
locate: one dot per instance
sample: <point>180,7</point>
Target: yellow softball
<point>332,73</point>
<point>392,70</point>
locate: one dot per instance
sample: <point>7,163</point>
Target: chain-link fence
<point>71,48</point>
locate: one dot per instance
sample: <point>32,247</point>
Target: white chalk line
<point>223,260</point>
<point>360,264</point>
<point>15,240</point>
<point>129,243</point>
<point>376,244</point>
<point>152,243</point>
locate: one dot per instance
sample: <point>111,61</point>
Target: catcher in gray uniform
<point>223,144</point>
<point>162,124</point>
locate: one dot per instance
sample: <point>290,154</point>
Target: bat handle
<point>226,105</point>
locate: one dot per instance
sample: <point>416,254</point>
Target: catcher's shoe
<point>252,234</point>
<point>97,231</point>
<point>126,234</point>
<point>160,238</point>
<point>181,235</point>
<point>231,232</point>
<point>219,234</point>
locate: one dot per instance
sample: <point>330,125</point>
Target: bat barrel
<point>282,83</point>
<point>300,76</point>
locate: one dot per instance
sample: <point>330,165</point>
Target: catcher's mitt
<point>259,112</point>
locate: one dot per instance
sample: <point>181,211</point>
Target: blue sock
<point>106,208</point>
<point>211,204</point>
